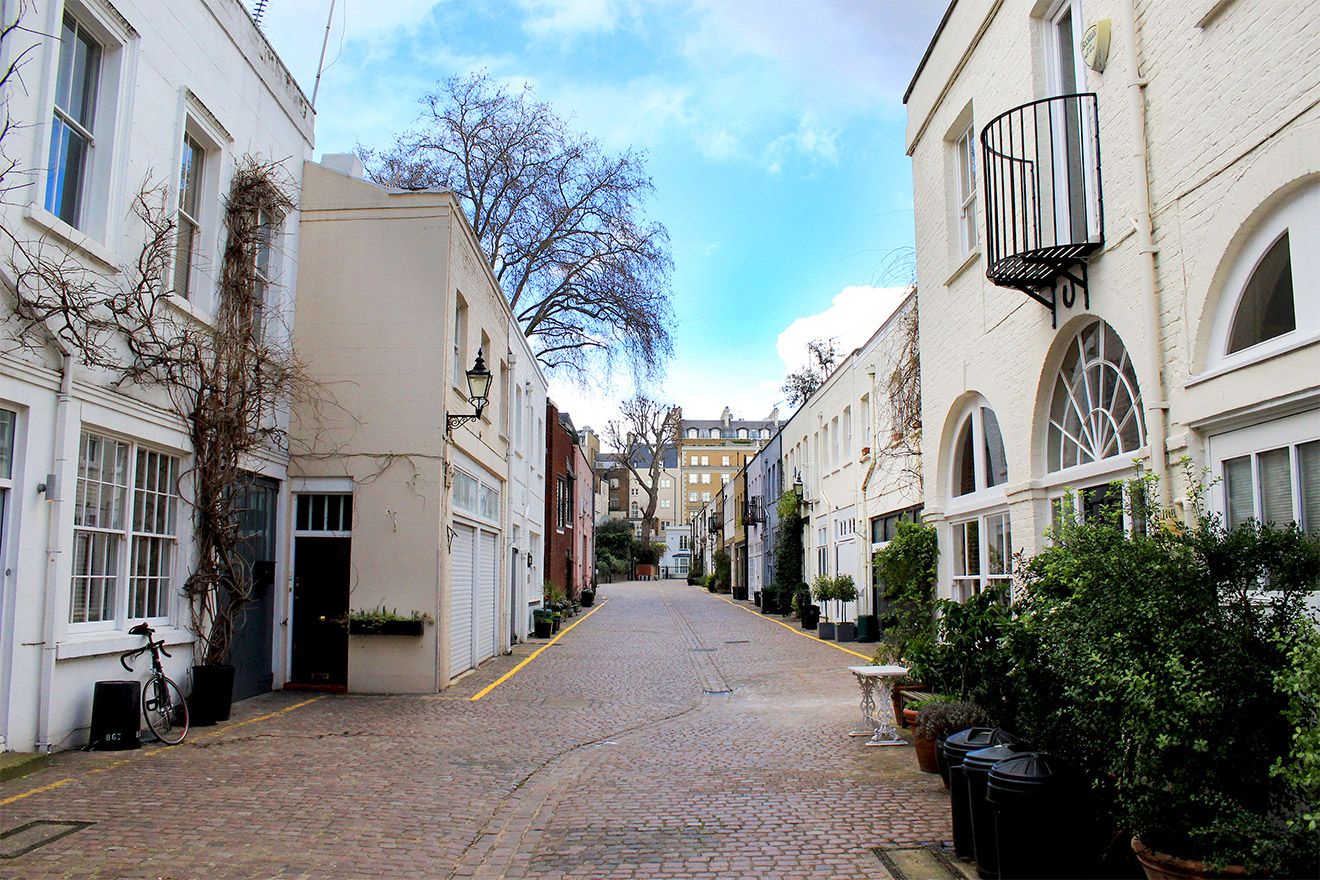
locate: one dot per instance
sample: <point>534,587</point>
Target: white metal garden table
<point>877,683</point>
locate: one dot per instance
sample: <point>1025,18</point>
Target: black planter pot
<point>385,627</point>
<point>846,632</point>
<point>212,694</point>
<point>543,627</point>
<point>756,597</point>
<point>740,594</point>
<point>768,603</point>
<point>811,617</point>
<point>827,630</point>
<point>588,598</point>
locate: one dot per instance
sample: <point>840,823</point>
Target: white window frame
<point>1296,215</point>
<point>128,536</point>
<point>964,149</point>
<point>967,583</point>
<point>1290,432</point>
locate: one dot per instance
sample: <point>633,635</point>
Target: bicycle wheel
<point>165,710</point>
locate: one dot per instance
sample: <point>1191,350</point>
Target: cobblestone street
<point>670,734</point>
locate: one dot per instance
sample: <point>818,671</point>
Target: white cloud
<point>566,18</point>
<point>812,140</point>
<point>853,315</point>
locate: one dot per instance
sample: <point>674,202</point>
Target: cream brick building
<point>1180,190</point>
<point>398,303</point>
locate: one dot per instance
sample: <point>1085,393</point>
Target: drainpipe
<point>1157,409</point>
<point>55,499</point>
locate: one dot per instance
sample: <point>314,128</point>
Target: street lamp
<point>478,382</point>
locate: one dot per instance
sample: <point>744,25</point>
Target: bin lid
<point>982,760</point>
<point>1027,771</point>
<point>973,738</point>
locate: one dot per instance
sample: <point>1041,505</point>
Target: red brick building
<point>569,506</point>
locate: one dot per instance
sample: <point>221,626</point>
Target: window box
<point>365,627</point>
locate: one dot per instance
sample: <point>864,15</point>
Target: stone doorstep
<point>16,764</point>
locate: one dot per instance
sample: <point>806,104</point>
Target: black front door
<point>253,645</point>
<point>320,606</point>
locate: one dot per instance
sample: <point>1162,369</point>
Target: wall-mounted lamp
<point>529,559</point>
<point>478,381</point>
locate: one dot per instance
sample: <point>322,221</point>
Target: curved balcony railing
<point>1044,211</point>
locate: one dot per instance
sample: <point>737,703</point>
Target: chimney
<point>345,163</point>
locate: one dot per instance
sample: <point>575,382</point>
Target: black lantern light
<point>478,382</point>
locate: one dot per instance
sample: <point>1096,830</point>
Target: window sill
<point>970,260</point>
<point>1248,358</point>
<point>79,241</point>
<point>192,310</point>
<point>96,644</point>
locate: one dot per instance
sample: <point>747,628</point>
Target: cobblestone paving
<point>671,734</point>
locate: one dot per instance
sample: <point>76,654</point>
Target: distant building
<point>570,507</point>
<point>711,451</point>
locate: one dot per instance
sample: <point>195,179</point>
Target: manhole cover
<point>25,838</point>
<point>927,862</point>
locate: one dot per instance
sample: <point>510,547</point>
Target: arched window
<point>973,470</point>
<point>1265,310</point>
<point>980,536</point>
<point>1095,411</point>
<point>1270,302</point>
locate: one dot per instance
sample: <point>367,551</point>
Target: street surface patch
<point>919,863</point>
<point>25,838</point>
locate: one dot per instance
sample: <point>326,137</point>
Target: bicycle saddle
<point>140,630</point>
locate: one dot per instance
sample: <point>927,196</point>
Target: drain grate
<point>704,650</point>
<point>928,862</point>
<point>739,642</point>
<point>25,838</point>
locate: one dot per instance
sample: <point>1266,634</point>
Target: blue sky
<point>773,130</point>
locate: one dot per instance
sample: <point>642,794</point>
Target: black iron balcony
<point>1043,205</point>
<point>717,521</point>
<point>751,512</point>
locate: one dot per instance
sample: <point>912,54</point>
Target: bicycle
<point>162,701</point>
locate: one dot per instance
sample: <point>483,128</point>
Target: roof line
<point>921,65</point>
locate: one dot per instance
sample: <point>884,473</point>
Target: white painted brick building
<point>129,92</point>
<point>1202,335</point>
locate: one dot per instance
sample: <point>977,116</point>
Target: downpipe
<point>55,499</point>
<point>1157,409</point>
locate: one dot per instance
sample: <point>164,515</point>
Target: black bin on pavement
<point>1043,827</point>
<point>954,749</point>
<point>115,713</point>
<point>976,768</point>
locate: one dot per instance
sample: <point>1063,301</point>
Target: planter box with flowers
<point>379,622</point>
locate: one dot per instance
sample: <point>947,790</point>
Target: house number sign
<point>1095,45</point>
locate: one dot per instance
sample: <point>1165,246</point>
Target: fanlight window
<point>973,472</point>
<point>1095,412</point>
<point>1266,308</point>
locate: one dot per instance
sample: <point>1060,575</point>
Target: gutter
<point>1157,409</point>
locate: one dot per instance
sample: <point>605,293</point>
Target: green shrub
<point>907,569</point>
<point>723,571</point>
<point>945,715</point>
<point>1174,667</point>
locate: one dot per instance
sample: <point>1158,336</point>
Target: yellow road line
<point>532,656</point>
<point>48,787</point>
<point>797,632</point>
<point>147,753</point>
<point>235,725</point>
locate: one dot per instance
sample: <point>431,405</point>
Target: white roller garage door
<point>460,603</point>
<point>485,608</point>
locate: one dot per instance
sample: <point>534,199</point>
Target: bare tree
<point>560,221</point>
<point>646,432</point>
<point>11,29</point>
<point>903,399</point>
<point>799,385</point>
<point>225,380</point>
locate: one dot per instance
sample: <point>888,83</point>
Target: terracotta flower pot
<point>910,718</point>
<point>926,759</point>
<point>1161,866</point>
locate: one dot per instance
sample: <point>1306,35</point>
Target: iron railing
<point>751,511</point>
<point>1043,203</point>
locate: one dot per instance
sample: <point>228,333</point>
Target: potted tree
<point>845,591</point>
<point>822,589</point>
